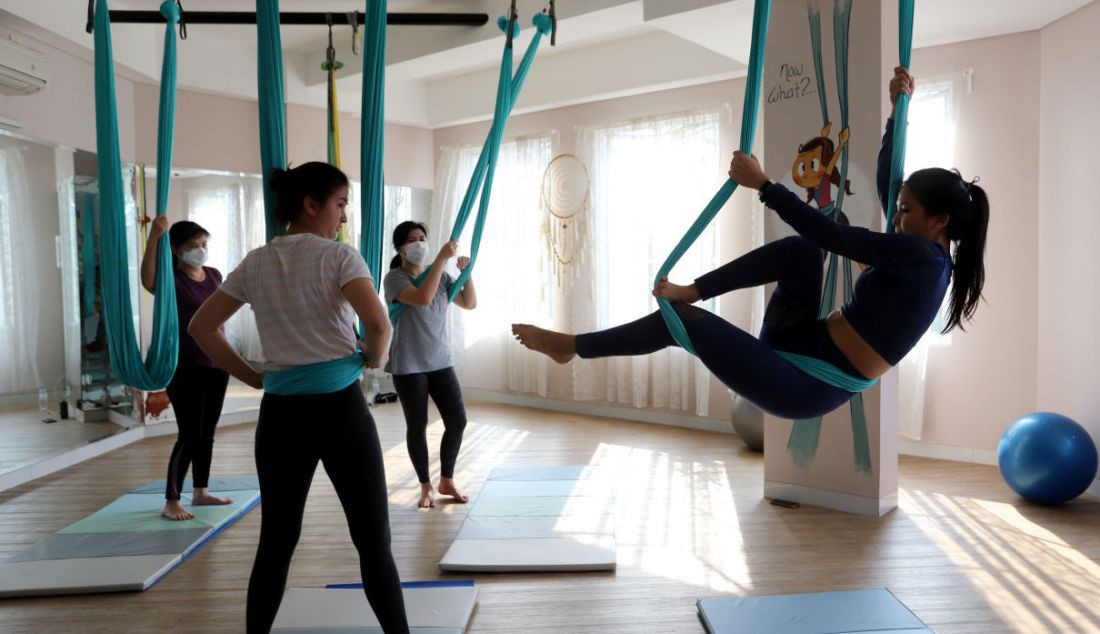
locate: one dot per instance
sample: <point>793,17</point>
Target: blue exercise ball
<point>1047,458</point>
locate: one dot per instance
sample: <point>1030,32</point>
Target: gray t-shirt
<point>420,342</point>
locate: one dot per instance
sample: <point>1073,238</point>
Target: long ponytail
<point>969,276</point>
<point>944,192</point>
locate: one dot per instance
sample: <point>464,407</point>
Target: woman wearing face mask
<point>197,389</point>
<point>420,360</point>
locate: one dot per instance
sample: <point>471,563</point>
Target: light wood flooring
<point>25,439</point>
<point>962,551</point>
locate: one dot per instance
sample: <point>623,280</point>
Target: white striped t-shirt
<point>293,284</point>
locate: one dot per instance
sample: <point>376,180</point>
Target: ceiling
<point>444,75</point>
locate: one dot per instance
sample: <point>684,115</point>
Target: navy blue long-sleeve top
<point>898,294</point>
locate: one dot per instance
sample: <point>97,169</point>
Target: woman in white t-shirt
<point>306,290</point>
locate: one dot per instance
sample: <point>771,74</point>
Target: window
<point>650,179</point>
<point>931,143</point>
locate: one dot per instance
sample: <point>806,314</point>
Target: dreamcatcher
<point>564,198</point>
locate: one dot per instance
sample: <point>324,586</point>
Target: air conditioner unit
<point>22,69</point>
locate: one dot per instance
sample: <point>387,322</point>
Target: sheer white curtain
<point>511,277</point>
<point>397,209</point>
<point>930,143</point>
<point>650,178</point>
<point>18,277</point>
<point>233,214</point>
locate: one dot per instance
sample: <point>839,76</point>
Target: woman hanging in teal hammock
<point>895,300</point>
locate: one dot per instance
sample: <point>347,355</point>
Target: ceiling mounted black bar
<point>303,18</point>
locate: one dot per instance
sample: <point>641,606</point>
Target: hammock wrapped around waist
<point>316,378</point>
<point>828,373</point>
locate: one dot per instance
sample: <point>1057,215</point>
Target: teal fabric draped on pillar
<point>126,362</point>
<point>749,113</point>
<point>803,441</point>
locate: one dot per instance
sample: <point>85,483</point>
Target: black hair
<point>315,180</point>
<point>180,233</point>
<point>400,235</point>
<point>945,192</point>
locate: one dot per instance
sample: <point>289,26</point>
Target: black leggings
<point>413,391</point>
<point>293,434</point>
<point>747,365</point>
<point>197,393</point>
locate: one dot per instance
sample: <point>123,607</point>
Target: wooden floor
<point>25,439</point>
<point>963,552</point>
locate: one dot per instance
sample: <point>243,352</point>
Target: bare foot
<point>675,292</point>
<point>201,497</point>
<point>426,500</point>
<point>173,510</point>
<point>557,345</point>
<point>447,487</point>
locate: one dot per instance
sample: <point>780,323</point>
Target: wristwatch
<point>765,187</point>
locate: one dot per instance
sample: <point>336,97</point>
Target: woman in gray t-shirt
<point>420,359</point>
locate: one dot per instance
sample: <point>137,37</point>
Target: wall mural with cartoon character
<point>823,119</point>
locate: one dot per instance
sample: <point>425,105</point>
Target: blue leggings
<point>747,365</point>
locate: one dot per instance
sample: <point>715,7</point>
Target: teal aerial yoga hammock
<point>508,89</point>
<point>371,150</point>
<point>269,51</point>
<point>335,375</point>
<point>126,362</point>
<point>901,112</point>
<point>749,113</point>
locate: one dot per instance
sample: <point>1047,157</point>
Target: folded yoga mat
<point>542,519</point>
<point>126,545</point>
<point>863,611</point>
<point>433,607</point>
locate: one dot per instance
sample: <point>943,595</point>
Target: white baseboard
<point>845,502</point>
<point>946,452</point>
<point>607,411</point>
<point>1094,490</point>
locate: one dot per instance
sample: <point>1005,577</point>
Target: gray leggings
<point>414,390</point>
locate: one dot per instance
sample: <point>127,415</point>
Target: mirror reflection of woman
<point>197,389</point>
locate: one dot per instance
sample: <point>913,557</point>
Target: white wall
<point>987,377</point>
<point>64,112</point>
<point>1068,298</point>
<point>223,133</point>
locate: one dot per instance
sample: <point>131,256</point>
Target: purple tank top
<point>189,296</point>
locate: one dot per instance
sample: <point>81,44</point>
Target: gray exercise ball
<point>748,422</point>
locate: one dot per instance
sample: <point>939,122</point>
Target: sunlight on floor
<point>482,447</point>
<point>651,530</point>
<point>1019,567</point>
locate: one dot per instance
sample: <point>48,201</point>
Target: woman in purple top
<point>197,389</point>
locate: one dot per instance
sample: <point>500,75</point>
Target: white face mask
<point>415,252</point>
<point>194,257</point>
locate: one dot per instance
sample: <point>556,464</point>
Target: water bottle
<point>43,398</point>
